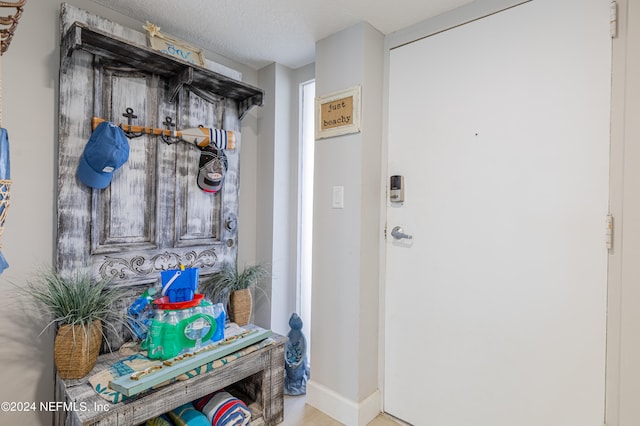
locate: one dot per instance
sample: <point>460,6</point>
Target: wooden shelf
<point>204,82</point>
<point>259,376</point>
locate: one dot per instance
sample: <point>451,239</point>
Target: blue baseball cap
<point>106,151</point>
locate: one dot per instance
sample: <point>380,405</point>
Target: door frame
<point>478,10</point>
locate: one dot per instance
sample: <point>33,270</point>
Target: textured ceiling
<point>259,32</point>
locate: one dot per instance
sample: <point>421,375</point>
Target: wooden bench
<point>257,376</point>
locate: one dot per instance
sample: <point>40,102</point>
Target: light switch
<point>338,197</point>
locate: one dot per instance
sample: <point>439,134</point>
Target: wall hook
<point>127,131</point>
<point>169,125</point>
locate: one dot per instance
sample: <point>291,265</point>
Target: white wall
<point>275,236</point>
<point>265,188</point>
<point>277,188</point>
<point>30,105</point>
<point>344,380</point>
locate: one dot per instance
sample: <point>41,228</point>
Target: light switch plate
<point>338,197</point>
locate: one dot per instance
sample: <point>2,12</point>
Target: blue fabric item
<point>5,164</point>
<point>106,151</point>
<point>3,263</point>
<point>5,174</point>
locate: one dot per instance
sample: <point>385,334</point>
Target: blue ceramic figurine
<point>296,365</point>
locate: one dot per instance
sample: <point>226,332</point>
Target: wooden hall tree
<point>152,216</point>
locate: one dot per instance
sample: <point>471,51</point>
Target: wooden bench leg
<point>273,387</point>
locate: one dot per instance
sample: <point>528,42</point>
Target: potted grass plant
<point>232,286</point>
<point>78,307</point>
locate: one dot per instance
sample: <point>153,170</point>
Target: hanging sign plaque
<point>172,46</point>
<point>338,113</point>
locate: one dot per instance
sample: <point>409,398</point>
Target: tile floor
<point>298,413</point>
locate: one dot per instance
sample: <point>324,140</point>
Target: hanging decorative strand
<point>8,26</point>
<point>9,23</point>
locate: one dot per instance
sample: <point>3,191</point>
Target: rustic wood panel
<point>273,386</point>
<point>198,218</point>
<point>127,222</point>
<point>152,216</point>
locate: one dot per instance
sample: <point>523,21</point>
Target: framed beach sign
<point>172,46</point>
<point>338,113</point>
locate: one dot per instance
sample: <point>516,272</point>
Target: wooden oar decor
<point>212,165</point>
<point>198,136</point>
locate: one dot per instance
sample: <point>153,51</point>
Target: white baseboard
<point>342,409</point>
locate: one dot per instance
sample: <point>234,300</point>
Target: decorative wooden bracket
<point>177,83</point>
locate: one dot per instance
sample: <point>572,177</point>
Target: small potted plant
<point>78,307</point>
<point>235,285</point>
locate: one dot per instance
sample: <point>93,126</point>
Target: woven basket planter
<point>76,349</point>
<point>240,305</point>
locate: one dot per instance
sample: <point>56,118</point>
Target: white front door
<point>495,309</point>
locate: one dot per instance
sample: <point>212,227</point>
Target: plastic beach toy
<point>179,285</point>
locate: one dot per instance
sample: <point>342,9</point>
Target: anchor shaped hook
<point>174,138</point>
<point>130,116</point>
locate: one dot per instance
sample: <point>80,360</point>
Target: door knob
<point>398,233</point>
